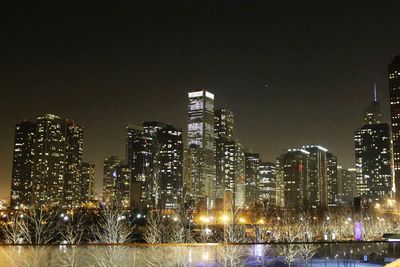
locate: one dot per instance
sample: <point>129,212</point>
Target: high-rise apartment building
<point>316,182</point>
<point>170,166</point>
<point>267,182</point>
<point>116,182</point>
<point>331,179</point>
<point>142,160</point>
<point>154,153</point>
<point>293,166</point>
<point>321,180</point>
<point>87,182</point>
<point>201,134</point>
<point>235,175</point>
<point>73,160</point>
<point>252,177</point>
<point>23,160</point>
<point>194,170</point>
<point>394,91</point>
<point>224,126</point>
<point>347,186</point>
<point>58,154</point>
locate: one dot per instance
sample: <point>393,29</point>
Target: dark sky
<point>107,64</point>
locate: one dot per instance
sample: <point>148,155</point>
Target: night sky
<point>107,64</point>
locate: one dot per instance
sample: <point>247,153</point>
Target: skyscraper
<point>224,126</point>
<point>394,90</point>
<point>331,179</point>
<point>316,182</point>
<point>73,160</point>
<point>23,160</point>
<point>194,169</point>
<point>201,134</point>
<point>87,182</point>
<point>267,182</point>
<point>321,181</point>
<point>373,152</point>
<point>142,160</point>
<point>347,186</point>
<point>252,177</point>
<point>58,154</point>
<point>154,153</point>
<point>171,166</point>
<point>116,181</point>
<point>49,167</point>
<point>235,185</point>
<point>293,166</point>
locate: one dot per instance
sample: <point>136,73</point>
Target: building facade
<point>154,153</point>
<point>347,186</point>
<point>252,178</point>
<point>58,154</point>
<point>23,162</point>
<point>73,160</point>
<point>171,167</point>
<point>394,92</point>
<point>87,191</point>
<point>267,182</point>
<point>116,182</point>
<point>293,166</point>
<point>224,127</point>
<point>332,177</point>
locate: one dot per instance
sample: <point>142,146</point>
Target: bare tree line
<point>295,232</point>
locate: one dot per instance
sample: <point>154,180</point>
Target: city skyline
<point>104,91</point>
<point>99,183</point>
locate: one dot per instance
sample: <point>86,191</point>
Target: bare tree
<point>231,254</point>
<point>182,225</point>
<point>234,232</point>
<point>288,235</point>
<point>14,229</point>
<point>306,231</point>
<point>153,231</point>
<point>375,227</point>
<point>71,238</point>
<point>113,226</point>
<point>42,227</point>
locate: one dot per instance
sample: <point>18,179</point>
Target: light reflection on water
<point>343,254</point>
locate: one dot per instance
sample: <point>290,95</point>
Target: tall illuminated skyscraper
<point>347,186</point>
<point>252,177</point>
<point>171,166</point>
<point>73,160</point>
<point>293,166</point>
<point>373,152</point>
<point>194,169</point>
<point>87,182</point>
<point>234,180</point>
<point>116,182</point>
<point>224,126</point>
<point>267,182</point>
<point>23,160</point>
<point>201,134</point>
<point>58,154</point>
<point>154,153</point>
<point>141,158</point>
<point>321,178</point>
<point>331,179</point>
<point>394,90</point>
